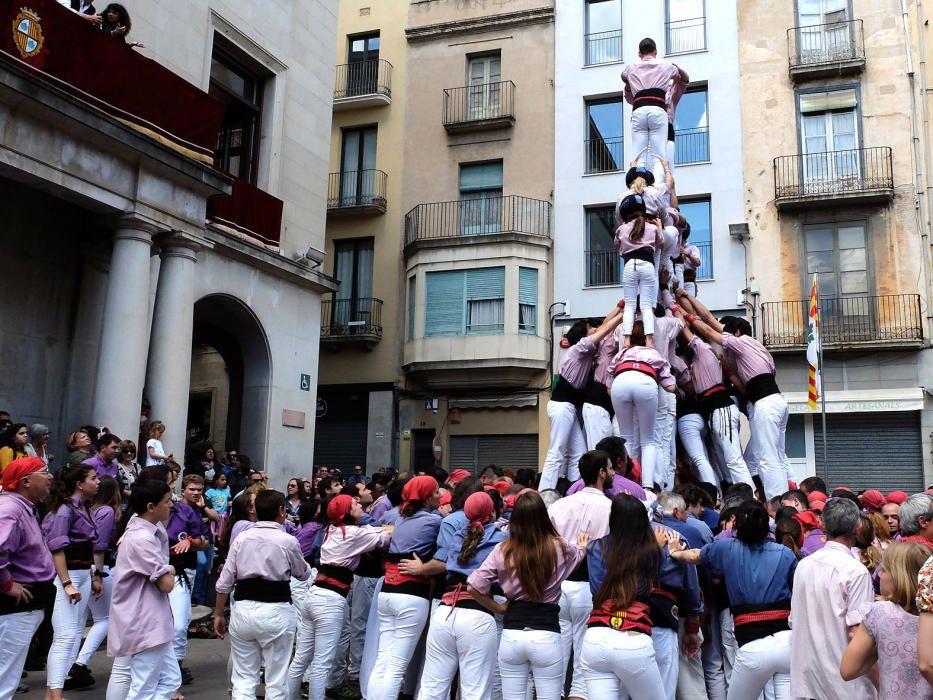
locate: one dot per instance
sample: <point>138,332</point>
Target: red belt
<point>321,578</point>
<point>636,366</point>
<point>762,616</point>
<point>712,391</point>
<point>394,577</point>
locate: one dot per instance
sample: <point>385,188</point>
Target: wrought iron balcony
<point>351,321</point>
<point>479,107</point>
<point>692,145</point>
<point>814,179</point>
<point>855,322</point>
<point>822,50</point>
<point>603,155</point>
<point>356,192</point>
<point>475,219</point>
<point>686,35</point>
<point>604,266</point>
<point>603,47</point>
<point>363,84</point>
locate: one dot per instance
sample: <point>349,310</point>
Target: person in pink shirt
<point>647,82</point>
<point>597,406</point>
<point>530,567</point>
<point>639,242</point>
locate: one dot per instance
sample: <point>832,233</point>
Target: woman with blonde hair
<point>887,635</point>
<point>882,530</point>
<point>79,448</point>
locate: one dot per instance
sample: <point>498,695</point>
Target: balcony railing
<point>363,78</point>
<point>604,265</point>
<point>837,47</point>
<point>351,319</point>
<point>250,211</point>
<point>705,271</point>
<point>858,173</point>
<point>478,107</point>
<point>603,155</point>
<point>692,145</point>
<point>603,47</point>
<point>478,217</point>
<point>856,321</point>
<point>686,35</point>
<point>361,191</point>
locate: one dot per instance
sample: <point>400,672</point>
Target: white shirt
<point>830,587</point>
<point>345,547</point>
<point>586,511</point>
<point>159,450</point>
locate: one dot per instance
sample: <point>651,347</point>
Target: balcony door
<point>603,31</point>
<point>363,64</point>
<point>358,167</point>
<point>240,89</point>
<point>352,312</point>
<point>604,136</point>
<point>824,32</point>
<point>830,137</point>
<point>484,79</point>
<point>480,199</point>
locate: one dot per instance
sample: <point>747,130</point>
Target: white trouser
<point>338,668</point>
<point>691,288</point>
<point>121,675</point>
<point>538,651</point>
<point>665,420</point>
<point>152,674</point>
<point>760,661</point>
<point>729,646</point>
<point>713,658</point>
<point>671,153</point>
<point>299,591</point>
<point>464,639</point>
<point>100,611</point>
<point>261,636</point>
<point>361,598</point>
<point>322,623</point>
<point>180,600</point>
<point>667,656</point>
<point>567,444</point>
<point>16,631</point>
<point>692,430</point>
<point>619,665</point>
<point>68,621</point>
<point>576,604</point>
<point>401,620</point>
<point>725,428</point>
<point>767,419</point>
<point>691,683</point>
<point>596,423</point>
<point>635,396</point>
<point>639,287</point>
<point>672,250</point>
<point>371,647</point>
<point>649,138</point>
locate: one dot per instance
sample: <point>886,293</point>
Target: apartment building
<point>362,321</point>
<point>833,190</point>
<point>595,40</point>
<point>479,167</point>
<point>163,211</point>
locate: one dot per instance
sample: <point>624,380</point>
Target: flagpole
<point>823,410</point>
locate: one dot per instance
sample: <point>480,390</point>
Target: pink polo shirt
<point>647,74</point>
<point>707,372</point>
<point>648,356</point>
<point>651,238</point>
<point>577,365</point>
<point>493,569</point>
<point>751,358</point>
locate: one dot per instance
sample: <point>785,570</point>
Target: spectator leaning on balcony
<point>84,9</point>
<point>115,21</point>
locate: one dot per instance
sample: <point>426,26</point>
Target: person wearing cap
<point>916,519</point>
<point>814,538</point>
<point>26,566</point>
<point>647,82</point>
<point>325,607</point>
<point>586,511</point>
<point>872,500</point>
<point>463,634</point>
<point>897,497</point>
<point>891,512</point>
<point>258,570</point>
<point>831,588</point>
<point>405,599</point>
<point>567,440</point>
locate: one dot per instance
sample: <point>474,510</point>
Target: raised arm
<point>700,310</point>
<point>612,320</point>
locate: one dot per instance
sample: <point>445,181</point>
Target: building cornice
<point>491,23</point>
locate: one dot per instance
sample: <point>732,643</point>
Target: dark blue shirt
<point>754,574</point>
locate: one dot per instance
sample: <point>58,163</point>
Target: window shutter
<point>444,304</point>
<point>481,177</point>
<point>485,283</point>
<point>527,286</point>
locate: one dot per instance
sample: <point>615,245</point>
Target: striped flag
<point>813,347</point>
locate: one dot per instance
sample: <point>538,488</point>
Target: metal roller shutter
<point>472,452</point>
<point>340,444</point>
<point>871,450</point>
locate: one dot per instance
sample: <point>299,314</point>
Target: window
<point>465,302</point>
<point>412,289</point>
<point>824,32</point>
<point>480,199</point>
<point>362,64</point>
<point>691,127</point>
<point>603,264</point>
<point>829,134</point>
<point>484,79</point>
<point>686,26</point>
<point>240,89</point>
<point>698,213</point>
<point>527,300</point>
<point>353,268</point>
<point>604,136</point>
<point>838,256</point>
<point>603,31</point>
<point>358,167</point>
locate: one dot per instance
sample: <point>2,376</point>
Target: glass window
<point>837,254</point>
<point>480,199</point>
<point>411,307</point>
<point>527,300</point>
<point>603,264</point>
<point>698,213</point>
<point>691,127</point>
<point>823,31</point>
<point>686,26</point>
<point>353,269</point>
<point>357,167</point>
<point>465,302</point>
<point>484,80</point>
<point>240,90</point>
<point>796,437</point>
<point>604,136</point>
<point>829,132</point>
<point>603,31</point>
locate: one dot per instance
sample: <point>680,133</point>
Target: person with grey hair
<point>831,587</point>
<point>550,497</point>
<point>916,516</point>
<point>38,443</point>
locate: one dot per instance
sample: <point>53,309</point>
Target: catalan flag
<point>814,356</point>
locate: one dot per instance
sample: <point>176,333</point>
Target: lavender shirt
<point>24,555</point>
<point>619,485</point>
<point>265,551</point>
<point>416,533</point>
<point>306,536</point>
<point>895,633</point>
<point>493,569</point>
<point>648,356</point>
<point>105,520</point>
<point>70,523</point>
<point>184,520</point>
<point>691,251</point>
<point>750,356</point>
<point>345,547</point>
<point>142,558</point>
<point>657,200</point>
<point>814,541</point>
<point>652,238</point>
<point>239,527</point>
<point>101,467</point>
<point>666,330</point>
<point>608,347</point>
<point>380,507</point>
<point>674,93</point>
<point>707,372</point>
<point>577,365</point>
<point>646,74</point>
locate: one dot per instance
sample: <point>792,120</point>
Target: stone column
<point>121,360</point>
<point>168,380</point>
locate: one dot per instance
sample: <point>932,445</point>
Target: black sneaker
<point>186,677</point>
<point>22,688</point>
<point>79,677</point>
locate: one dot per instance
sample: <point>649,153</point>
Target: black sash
<point>759,621</point>
<point>598,394</point>
<point>262,590</point>
<point>761,386</point>
<point>581,573</point>
<point>522,614</point>
<point>687,406</point>
<point>645,253</point>
<point>651,97</point>
<point>338,579</point>
<point>568,393</point>
<point>714,397</point>
<point>43,598</point>
<point>79,555</point>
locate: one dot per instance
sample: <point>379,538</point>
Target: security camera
<point>312,255</point>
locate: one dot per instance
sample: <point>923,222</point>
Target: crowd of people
<point>114,20</point>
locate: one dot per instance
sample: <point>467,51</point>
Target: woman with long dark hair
<point>294,496</point>
<point>759,576</point>
<point>13,441</point>
<point>71,534</point>
<point>530,566</point>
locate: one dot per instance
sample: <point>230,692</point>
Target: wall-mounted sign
<point>305,383</point>
<point>321,410</point>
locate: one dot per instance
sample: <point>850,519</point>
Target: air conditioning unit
<point>739,231</point>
